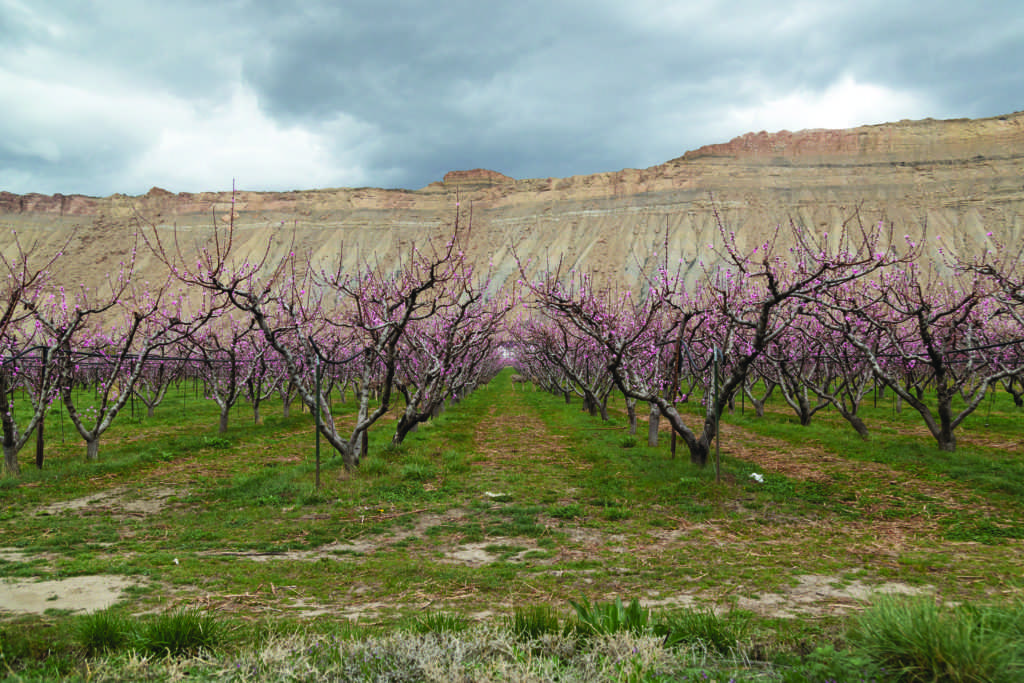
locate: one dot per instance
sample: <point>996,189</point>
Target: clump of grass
<point>439,622</point>
<point>416,471</point>
<point>374,467</point>
<point>611,617</point>
<point>615,514</point>
<point>716,633</point>
<point>570,511</point>
<point>182,632</point>
<point>534,621</point>
<point>628,442</point>
<point>104,631</point>
<point>922,641</point>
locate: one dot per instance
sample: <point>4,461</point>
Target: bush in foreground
<point>918,640</point>
<point>180,633</point>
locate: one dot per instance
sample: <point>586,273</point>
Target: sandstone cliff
<point>959,179</point>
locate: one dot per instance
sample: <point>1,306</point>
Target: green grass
<point>182,632</point>
<point>921,641</point>
<point>720,634</point>
<point>568,507</point>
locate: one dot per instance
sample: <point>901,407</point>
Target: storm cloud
<point>119,96</point>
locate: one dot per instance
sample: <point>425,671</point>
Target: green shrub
<point>922,641</point>
<point>716,633</point>
<point>103,631</point>
<point>182,632</point>
<point>611,617</point>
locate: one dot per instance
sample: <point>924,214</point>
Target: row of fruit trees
<point>821,319</point>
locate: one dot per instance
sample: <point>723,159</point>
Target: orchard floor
<point>510,498</point>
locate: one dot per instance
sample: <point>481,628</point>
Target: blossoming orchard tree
<point>105,339</point>
<point>554,354</point>
<point>1004,267</point>
<point>292,304</point>
<point>23,359</point>
<point>929,334</point>
<point>225,356</point>
<point>743,304</point>
<point>448,354</point>
<point>161,372</point>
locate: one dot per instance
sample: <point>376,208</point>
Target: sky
<point>117,96</point>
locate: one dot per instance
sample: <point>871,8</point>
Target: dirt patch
<point>478,554</point>
<point>818,595</point>
<point>14,555</point>
<point>340,549</point>
<point>121,501</point>
<point>77,593</point>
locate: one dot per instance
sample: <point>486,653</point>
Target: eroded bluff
<point>958,179</point>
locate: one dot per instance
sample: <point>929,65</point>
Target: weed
<point>611,617</point>
<point>615,514</point>
<point>416,471</point>
<point>374,467</point>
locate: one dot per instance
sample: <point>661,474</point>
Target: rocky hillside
<point>960,179</point>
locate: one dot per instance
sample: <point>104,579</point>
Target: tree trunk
<point>804,412</point>
<point>947,442</point>
<point>9,429</point>
<point>653,420</point>
<point>11,466</point>
<point>40,442</point>
<point>631,413</point>
<point>858,426</point>
<point>224,413</point>
<point>406,424</point>
<point>92,449</point>
<point>699,452</point>
<point>854,419</point>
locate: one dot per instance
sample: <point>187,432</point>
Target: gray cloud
<point>118,96</point>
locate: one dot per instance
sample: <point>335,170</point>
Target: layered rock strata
<point>958,179</point>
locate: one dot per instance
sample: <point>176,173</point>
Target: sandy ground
<point>77,593</point>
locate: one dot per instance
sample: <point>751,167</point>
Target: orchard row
<point>822,321</point>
